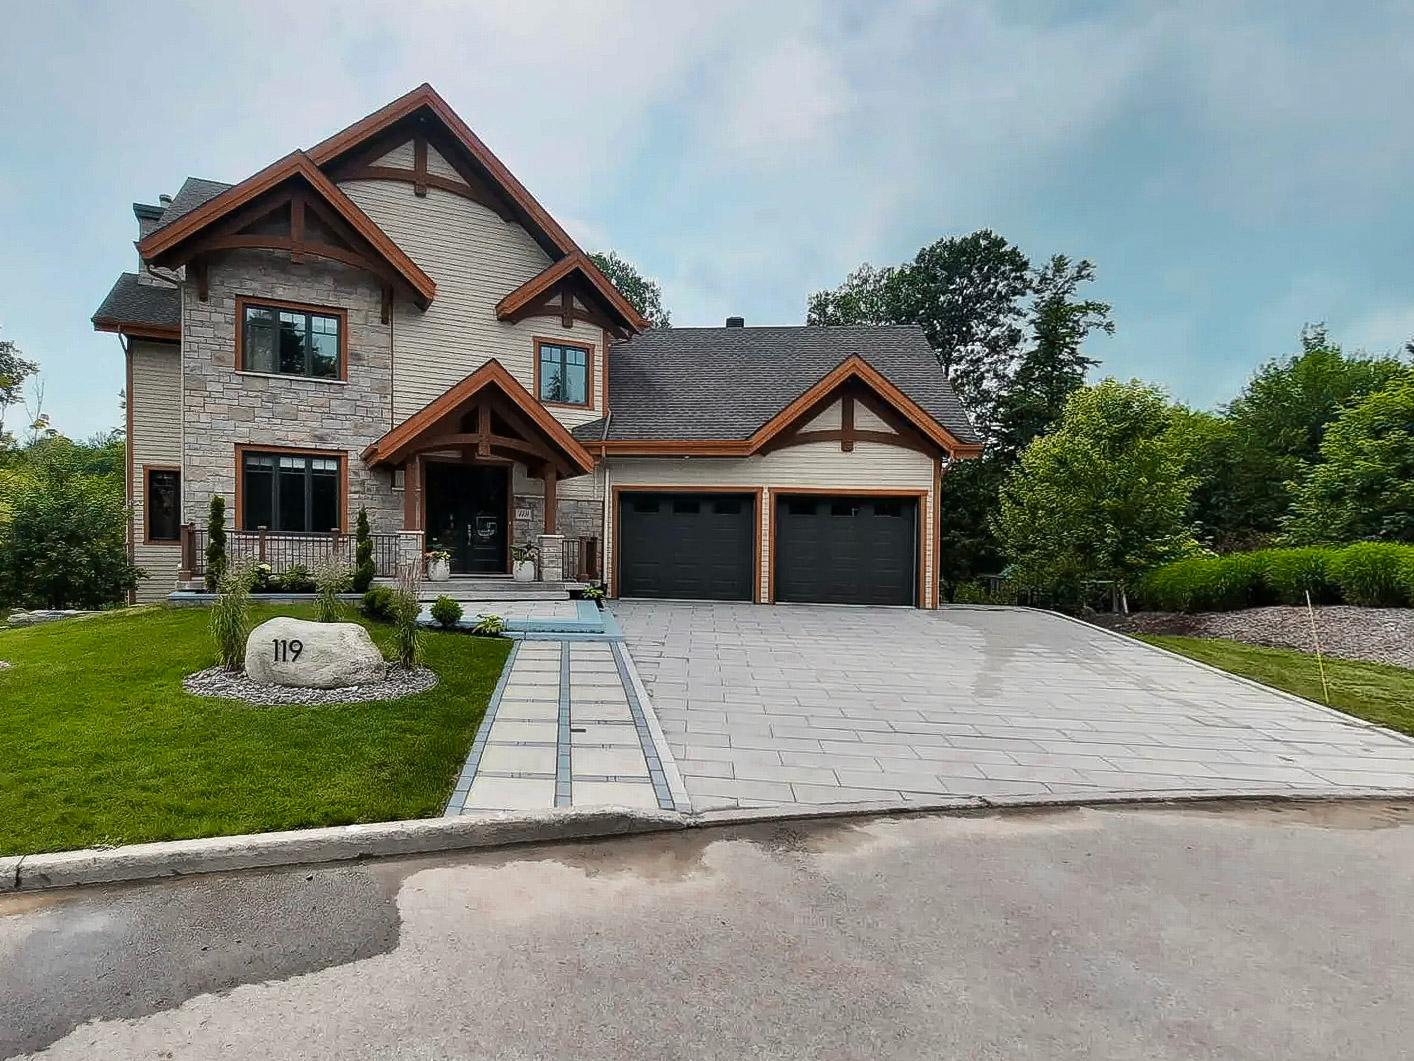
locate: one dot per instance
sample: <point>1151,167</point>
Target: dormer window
<point>562,373</point>
<point>280,338</point>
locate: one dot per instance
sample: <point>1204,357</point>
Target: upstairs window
<point>563,373</point>
<point>290,341</point>
<point>290,492</point>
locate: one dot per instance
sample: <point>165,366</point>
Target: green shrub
<point>969,593</point>
<point>378,604</point>
<point>1373,574</point>
<point>592,593</point>
<point>230,616</point>
<point>215,543</point>
<point>331,579</point>
<point>1205,583</point>
<point>446,611</point>
<point>1289,574</point>
<point>364,569</point>
<point>295,579</point>
<point>489,626</point>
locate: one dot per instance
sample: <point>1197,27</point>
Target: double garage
<point>824,548</point>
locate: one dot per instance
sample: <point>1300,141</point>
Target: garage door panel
<point>688,546</point>
<point>846,550</point>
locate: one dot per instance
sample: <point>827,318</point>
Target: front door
<point>466,515</point>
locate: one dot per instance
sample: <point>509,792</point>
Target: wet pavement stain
<point>124,952</point>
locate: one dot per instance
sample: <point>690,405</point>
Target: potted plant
<point>439,565</point>
<point>523,559</point>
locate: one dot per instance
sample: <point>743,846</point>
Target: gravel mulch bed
<point>215,681</point>
<point>1376,635</point>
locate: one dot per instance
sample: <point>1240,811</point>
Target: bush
<point>969,593</point>
<point>446,611</point>
<point>1373,573</point>
<point>295,579</point>
<point>1205,583</point>
<point>330,580</point>
<point>407,635</point>
<point>378,604</point>
<point>364,569</point>
<point>215,543</point>
<point>489,626</point>
<point>1289,574</point>
<point>63,542</point>
<point>230,617</point>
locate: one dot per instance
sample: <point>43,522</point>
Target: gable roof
<point>536,218</point>
<point>294,166</point>
<point>146,311</point>
<point>193,193</point>
<point>727,384</point>
<point>577,265</point>
<point>401,440</point>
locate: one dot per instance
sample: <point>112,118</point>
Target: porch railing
<point>283,551</point>
<point>581,560</point>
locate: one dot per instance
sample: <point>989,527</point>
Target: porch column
<point>548,477</point>
<point>412,493</point>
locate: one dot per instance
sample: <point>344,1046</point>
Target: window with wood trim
<point>290,492</point>
<point>291,342</point>
<point>163,507</point>
<point>563,373</point>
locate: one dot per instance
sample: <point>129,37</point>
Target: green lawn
<point>102,746</point>
<point>1371,691</point>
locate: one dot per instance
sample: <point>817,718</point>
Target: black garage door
<point>846,550</point>
<point>689,546</point>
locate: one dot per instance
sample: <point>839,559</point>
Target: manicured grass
<point>1372,691</point>
<point>102,746</point>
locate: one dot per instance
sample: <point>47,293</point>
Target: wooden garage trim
<point>921,521</point>
<point>757,493</point>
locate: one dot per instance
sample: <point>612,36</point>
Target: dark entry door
<point>847,550</point>
<point>686,546</point>
<point>466,515</point>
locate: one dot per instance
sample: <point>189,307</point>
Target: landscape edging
<point>500,829</point>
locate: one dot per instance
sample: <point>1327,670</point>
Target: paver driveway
<point>818,704</point>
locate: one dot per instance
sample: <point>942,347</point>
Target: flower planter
<point>438,570</point>
<point>524,570</point>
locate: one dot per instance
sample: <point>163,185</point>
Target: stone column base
<point>552,557</point>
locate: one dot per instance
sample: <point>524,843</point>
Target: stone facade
<point>222,407</point>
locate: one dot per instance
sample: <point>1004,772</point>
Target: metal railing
<point>283,551</point>
<point>581,560</point>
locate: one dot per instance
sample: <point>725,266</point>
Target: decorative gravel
<point>1377,635</point>
<point>215,681</point>
<point>4,665</point>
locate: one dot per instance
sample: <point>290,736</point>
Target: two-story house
<point>390,321</point>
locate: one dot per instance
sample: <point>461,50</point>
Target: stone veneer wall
<point>221,407</point>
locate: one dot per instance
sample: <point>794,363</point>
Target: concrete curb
<point>499,829</point>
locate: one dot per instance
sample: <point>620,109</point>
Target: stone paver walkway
<point>810,704</point>
<point>564,728</point>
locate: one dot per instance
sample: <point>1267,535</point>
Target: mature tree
<point>63,537</point>
<point>1104,496</point>
<point>644,294</point>
<point>1053,365</point>
<point>1280,419</point>
<point>1364,486</point>
<point>14,371</point>
<point>966,292</point>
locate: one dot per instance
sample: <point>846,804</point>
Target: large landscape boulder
<point>309,655</point>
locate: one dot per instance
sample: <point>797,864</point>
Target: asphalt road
<point>1238,932</point>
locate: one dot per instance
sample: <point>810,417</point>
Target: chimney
<point>736,322</point>
<point>165,200</point>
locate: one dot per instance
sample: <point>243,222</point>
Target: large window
<point>563,372</point>
<point>292,342</point>
<point>289,492</point>
<point>163,504</point>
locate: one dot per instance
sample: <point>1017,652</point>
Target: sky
<point>1233,169</point>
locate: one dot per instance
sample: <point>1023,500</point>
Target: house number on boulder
<point>307,655</point>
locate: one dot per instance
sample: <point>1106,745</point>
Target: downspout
<point>608,492</point>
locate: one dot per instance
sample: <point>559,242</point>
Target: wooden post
<point>184,535</point>
<point>260,548</point>
<point>412,494</point>
<point>548,477</point>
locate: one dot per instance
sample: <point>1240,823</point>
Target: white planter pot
<point>524,570</point>
<point>439,570</point>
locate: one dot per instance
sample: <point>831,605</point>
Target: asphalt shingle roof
<point>193,193</point>
<point>133,302</point>
<point>725,383</point>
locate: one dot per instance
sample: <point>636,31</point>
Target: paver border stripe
<point>456,803</point>
<point>662,769</point>
<point>564,772</point>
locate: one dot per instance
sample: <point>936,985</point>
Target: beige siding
<point>476,259</point>
<point>818,465</point>
<point>156,402</point>
<point>865,419</point>
<point>829,420</point>
<point>440,166</point>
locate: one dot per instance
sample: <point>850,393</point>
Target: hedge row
<point>1373,574</point>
